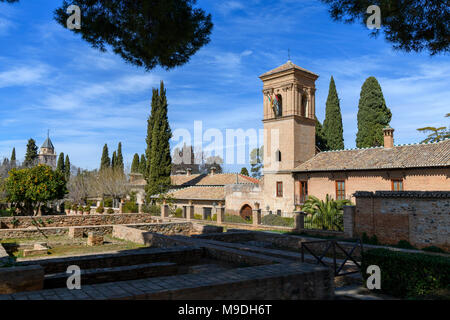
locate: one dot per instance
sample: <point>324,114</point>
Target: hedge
<point>409,275</point>
<point>274,220</point>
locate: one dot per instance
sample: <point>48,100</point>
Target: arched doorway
<point>246,212</point>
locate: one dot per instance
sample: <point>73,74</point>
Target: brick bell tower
<point>289,117</point>
<point>289,131</point>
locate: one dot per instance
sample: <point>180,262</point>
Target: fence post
<point>299,221</point>
<point>220,214</point>
<point>140,208</point>
<point>164,210</point>
<point>190,211</point>
<point>349,221</point>
<point>256,216</point>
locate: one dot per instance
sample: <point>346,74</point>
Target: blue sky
<point>51,79</point>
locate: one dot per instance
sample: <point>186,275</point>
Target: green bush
<point>235,219</point>
<point>403,244</point>
<point>178,213</point>
<point>198,216</point>
<point>110,211</point>
<point>108,202</point>
<point>274,220</point>
<point>130,207</point>
<point>152,209</point>
<point>369,240</point>
<point>100,209</point>
<point>409,275</point>
<point>434,249</point>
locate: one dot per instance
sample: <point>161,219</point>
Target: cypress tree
<point>60,165</point>
<point>105,161</point>
<point>332,125</point>
<point>13,157</point>
<point>150,124</point>
<point>161,160</point>
<point>244,171</point>
<point>135,164</point>
<point>321,140</point>
<point>31,155</point>
<point>373,115</point>
<point>67,168</point>
<point>119,158</point>
<point>143,165</point>
<point>114,160</point>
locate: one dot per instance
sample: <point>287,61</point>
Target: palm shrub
<point>326,215</point>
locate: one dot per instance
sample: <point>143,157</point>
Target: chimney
<point>213,171</point>
<point>188,172</point>
<point>388,133</point>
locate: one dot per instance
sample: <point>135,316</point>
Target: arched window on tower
<point>278,156</point>
<point>304,105</point>
<point>278,105</point>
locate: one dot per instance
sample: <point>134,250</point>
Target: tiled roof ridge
<point>382,147</point>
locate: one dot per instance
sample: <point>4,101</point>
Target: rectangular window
<point>279,189</point>
<point>340,189</point>
<point>397,185</point>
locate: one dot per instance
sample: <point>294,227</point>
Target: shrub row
<point>274,220</point>
<point>409,275</point>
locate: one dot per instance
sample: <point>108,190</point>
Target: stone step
<point>123,273</point>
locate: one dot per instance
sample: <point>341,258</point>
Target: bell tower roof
<point>285,67</point>
<point>48,143</point>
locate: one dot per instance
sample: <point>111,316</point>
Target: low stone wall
<point>422,218</point>
<point>180,255</point>
<point>18,279</point>
<point>75,220</point>
<point>293,281</point>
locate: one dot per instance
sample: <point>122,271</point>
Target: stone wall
<point>18,279</point>
<point>4,257</point>
<point>76,220</point>
<point>422,218</point>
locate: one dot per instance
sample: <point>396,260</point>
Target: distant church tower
<point>47,153</point>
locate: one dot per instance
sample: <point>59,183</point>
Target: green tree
<point>144,33</point>
<point>135,164</point>
<point>67,168</point>
<point>31,154</point>
<point>436,134</point>
<point>326,215</point>
<point>13,158</point>
<point>256,162</point>
<point>30,188</point>
<point>244,171</point>
<point>143,165</point>
<point>105,161</point>
<point>413,25</point>
<point>161,161</point>
<point>373,115</point>
<point>119,159</point>
<point>321,140</point>
<point>332,125</point>
<point>114,160</point>
<point>150,124</point>
<point>60,164</point>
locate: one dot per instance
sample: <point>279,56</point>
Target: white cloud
<point>24,75</point>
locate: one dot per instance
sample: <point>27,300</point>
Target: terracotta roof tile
<point>219,179</point>
<point>402,156</point>
<point>199,193</point>
<point>287,66</point>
